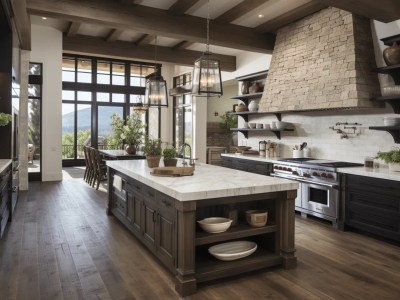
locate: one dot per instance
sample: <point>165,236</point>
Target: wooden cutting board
<point>172,171</point>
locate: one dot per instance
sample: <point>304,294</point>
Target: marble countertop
<point>208,181</point>
<point>382,172</point>
<point>4,163</point>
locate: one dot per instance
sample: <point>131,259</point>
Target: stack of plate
<point>391,121</point>
<point>233,250</point>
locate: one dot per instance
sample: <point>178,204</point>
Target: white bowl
<point>232,250</point>
<point>252,125</point>
<point>281,125</point>
<point>215,224</point>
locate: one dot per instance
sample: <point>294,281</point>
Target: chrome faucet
<point>182,152</point>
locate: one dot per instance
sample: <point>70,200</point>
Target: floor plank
<point>62,245</point>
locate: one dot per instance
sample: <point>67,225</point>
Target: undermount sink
<point>172,171</point>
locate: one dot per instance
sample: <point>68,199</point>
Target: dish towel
<point>117,182</point>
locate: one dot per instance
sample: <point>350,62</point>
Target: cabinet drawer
<point>149,193</point>
<point>4,177</point>
<point>135,186</point>
<point>120,203</point>
<point>373,200</point>
<point>375,185</point>
<point>3,220</point>
<point>166,204</point>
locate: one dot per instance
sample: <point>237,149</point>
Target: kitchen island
<point>162,213</point>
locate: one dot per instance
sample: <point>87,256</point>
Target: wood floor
<point>61,245</point>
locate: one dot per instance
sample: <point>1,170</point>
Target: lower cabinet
<point>373,206</point>
<point>258,167</point>
<point>149,215</point>
<point>5,198</point>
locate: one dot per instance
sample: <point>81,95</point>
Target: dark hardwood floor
<point>62,245</point>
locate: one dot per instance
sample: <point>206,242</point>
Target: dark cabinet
<point>149,215</point>
<point>258,167</point>
<point>5,198</point>
<point>373,205</point>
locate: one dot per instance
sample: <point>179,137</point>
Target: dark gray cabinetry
<point>148,214</point>
<point>5,198</point>
<point>263,168</point>
<point>373,206</point>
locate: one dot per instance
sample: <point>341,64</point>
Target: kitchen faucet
<point>182,152</point>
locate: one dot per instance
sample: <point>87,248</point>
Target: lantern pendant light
<point>156,87</point>
<point>207,73</point>
<point>138,106</point>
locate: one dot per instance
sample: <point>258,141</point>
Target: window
<point>93,89</point>
<point>183,112</point>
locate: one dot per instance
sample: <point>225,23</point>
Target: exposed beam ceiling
<point>239,10</point>
<point>182,45</point>
<point>144,39</point>
<point>181,6</point>
<point>73,29</point>
<point>126,50</point>
<point>113,35</point>
<point>291,16</point>
<point>153,21</point>
<point>382,10</point>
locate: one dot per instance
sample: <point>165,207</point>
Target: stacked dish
<point>391,121</point>
<point>232,250</point>
<point>281,125</point>
<point>391,90</point>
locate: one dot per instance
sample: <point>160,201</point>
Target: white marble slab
<point>252,157</point>
<point>4,163</point>
<point>207,182</point>
<point>382,172</point>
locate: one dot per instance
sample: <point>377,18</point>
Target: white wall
<point>222,104</point>
<point>313,127</point>
<point>248,63</point>
<point>47,49</point>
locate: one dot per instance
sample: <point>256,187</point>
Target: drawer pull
<point>165,202</point>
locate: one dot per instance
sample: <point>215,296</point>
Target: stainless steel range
<point>318,192</point>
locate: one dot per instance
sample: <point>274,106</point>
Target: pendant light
<point>156,87</point>
<point>138,106</point>
<point>207,73</point>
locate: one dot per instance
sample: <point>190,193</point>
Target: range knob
<point>323,175</point>
<point>295,172</point>
<point>275,167</point>
<point>289,169</point>
<point>330,176</point>
<point>306,175</point>
<point>315,174</point>
<point>280,168</point>
<point>284,169</point>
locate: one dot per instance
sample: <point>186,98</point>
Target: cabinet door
<point>135,204</point>
<point>149,224</point>
<point>166,241</point>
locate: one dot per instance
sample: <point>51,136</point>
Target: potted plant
<point>129,132</point>
<point>4,119</point>
<point>392,158</point>
<point>229,121</point>
<point>152,150</point>
<point>170,157</point>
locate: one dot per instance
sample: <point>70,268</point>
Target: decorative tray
<point>233,250</point>
<point>172,171</point>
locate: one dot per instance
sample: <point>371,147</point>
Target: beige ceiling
<point>127,28</point>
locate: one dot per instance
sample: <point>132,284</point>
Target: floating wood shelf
<point>245,114</point>
<point>248,96</point>
<point>394,102</point>
<point>388,41</point>
<point>393,71</point>
<point>246,130</point>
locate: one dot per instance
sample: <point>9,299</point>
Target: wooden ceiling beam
<point>73,29</point>
<point>239,10</point>
<point>145,39</point>
<point>22,23</point>
<point>126,50</point>
<point>113,35</point>
<point>290,16</point>
<point>383,10</point>
<point>181,6</point>
<point>153,21</point>
<point>182,45</point>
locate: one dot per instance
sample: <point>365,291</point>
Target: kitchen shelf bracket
<point>393,130</point>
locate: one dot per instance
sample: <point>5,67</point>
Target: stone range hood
<point>323,61</point>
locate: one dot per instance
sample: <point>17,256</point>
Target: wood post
<point>286,224</point>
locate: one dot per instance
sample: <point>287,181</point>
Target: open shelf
<point>246,97</point>
<point>388,41</point>
<point>394,102</point>
<point>234,232</point>
<point>254,76</point>
<point>393,70</point>
<point>210,268</point>
<point>246,130</point>
<point>393,130</point>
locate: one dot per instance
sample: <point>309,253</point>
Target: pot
<point>170,162</point>
<point>153,161</point>
<point>391,54</point>
<point>253,105</point>
<point>245,87</point>
<point>254,88</point>
<point>241,107</point>
<point>130,149</point>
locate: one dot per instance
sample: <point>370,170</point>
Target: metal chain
<point>155,53</point>
<point>208,27</point>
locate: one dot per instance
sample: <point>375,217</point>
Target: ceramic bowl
<point>257,218</point>
<point>281,125</point>
<point>267,126</point>
<point>272,125</point>
<point>215,224</point>
<point>259,126</point>
<point>252,125</point>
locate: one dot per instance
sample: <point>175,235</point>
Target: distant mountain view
<point>84,120</point>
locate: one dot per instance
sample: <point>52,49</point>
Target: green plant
<point>169,153</point>
<point>130,132</point>
<point>392,156</point>
<point>229,121</point>
<point>5,119</point>
<point>152,147</point>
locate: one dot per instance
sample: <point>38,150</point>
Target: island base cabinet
<point>373,206</point>
<point>5,198</point>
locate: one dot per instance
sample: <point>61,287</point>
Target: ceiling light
<point>261,16</point>
<point>207,73</point>
<point>156,87</point>
<point>44,18</point>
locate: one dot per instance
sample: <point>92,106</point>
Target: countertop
<point>4,163</point>
<point>208,181</point>
<point>382,172</point>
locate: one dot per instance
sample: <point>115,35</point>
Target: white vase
<point>395,167</point>
<point>253,105</point>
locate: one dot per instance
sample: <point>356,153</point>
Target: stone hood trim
<point>323,61</point>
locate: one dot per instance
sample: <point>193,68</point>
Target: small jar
<point>369,162</point>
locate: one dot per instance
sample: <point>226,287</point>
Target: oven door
<point>320,199</point>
